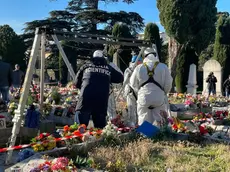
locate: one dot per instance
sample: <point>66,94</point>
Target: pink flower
<point>60,164</point>
<point>188,102</point>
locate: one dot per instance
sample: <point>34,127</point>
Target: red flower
<point>48,163</point>
<point>203,130</point>
<point>77,133</point>
<point>66,128</point>
<point>41,136</point>
<point>174,127</point>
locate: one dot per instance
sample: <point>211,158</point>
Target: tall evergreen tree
<point>222,43</point>
<point>191,23</point>
<point>84,16</point>
<point>122,54</point>
<point>12,47</point>
<point>152,34</point>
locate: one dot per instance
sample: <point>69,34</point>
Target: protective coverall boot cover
<point>150,95</point>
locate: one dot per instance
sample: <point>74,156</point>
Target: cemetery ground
<point>149,155</point>
<point>159,155</point>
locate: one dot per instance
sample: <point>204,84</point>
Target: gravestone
<point>191,87</point>
<point>215,67</point>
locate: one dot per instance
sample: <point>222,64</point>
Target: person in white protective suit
<point>111,111</point>
<point>151,81</point>
<point>130,95</point>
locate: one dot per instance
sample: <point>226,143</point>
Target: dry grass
<point>145,155</point>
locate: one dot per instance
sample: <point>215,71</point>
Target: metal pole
<point>42,72</point>
<point>17,120</point>
<point>127,79</point>
<point>70,69</point>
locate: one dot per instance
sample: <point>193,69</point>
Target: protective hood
<point>151,59</point>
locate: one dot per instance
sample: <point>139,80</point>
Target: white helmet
<point>98,53</point>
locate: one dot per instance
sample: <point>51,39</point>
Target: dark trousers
<point>99,119</point>
<point>4,91</point>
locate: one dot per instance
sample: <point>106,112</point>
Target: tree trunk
<point>116,59</point>
<point>173,50</point>
<point>94,5</point>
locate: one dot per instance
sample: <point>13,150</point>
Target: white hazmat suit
<point>131,98</point>
<point>151,98</point>
<point>111,111</point>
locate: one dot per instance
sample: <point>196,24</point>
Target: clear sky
<point>16,12</point>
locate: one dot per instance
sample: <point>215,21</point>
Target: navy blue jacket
<point>94,80</point>
<point>6,74</point>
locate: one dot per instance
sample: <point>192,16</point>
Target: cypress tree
<point>152,34</point>
<point>222,43</point>
<point>191,24</point>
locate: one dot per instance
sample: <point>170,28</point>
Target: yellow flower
<point>49,148</point>
<point>35,149</point>
<point>41,148</point>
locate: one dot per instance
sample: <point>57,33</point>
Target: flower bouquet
<point>201,117</point>
<point>61,164</point>
<point>43,142</point>
<point>12,107</point>
<point>178,126</point>
<point>47,108</point>
<point>56,96</point>
<point>220,115</point>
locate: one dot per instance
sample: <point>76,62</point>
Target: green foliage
<point>222,43</point>
<point>206,55</point>
<point>56,96</point>
<point>192,24</point>
<point>82,16</point>
<point>190,21</point>
<point>152,34</point>
<point>184,60</point>
<point>164,54</point>
<point>180,70</point>
<point>121,30</point>
<point>83,162</point>
<point>12,47</point>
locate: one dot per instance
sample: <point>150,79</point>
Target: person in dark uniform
<point>6,77</point>
<point>93,79</point>
<point>211,80</point>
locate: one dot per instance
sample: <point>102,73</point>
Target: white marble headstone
<point>215,67</point>
<point>191,87</point>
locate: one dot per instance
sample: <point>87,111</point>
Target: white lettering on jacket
<point>98,69</point>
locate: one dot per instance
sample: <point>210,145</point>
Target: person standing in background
<point>18,77</point>
<point>6,76</point>
<point>211,80</point>
<point>227,87</point>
